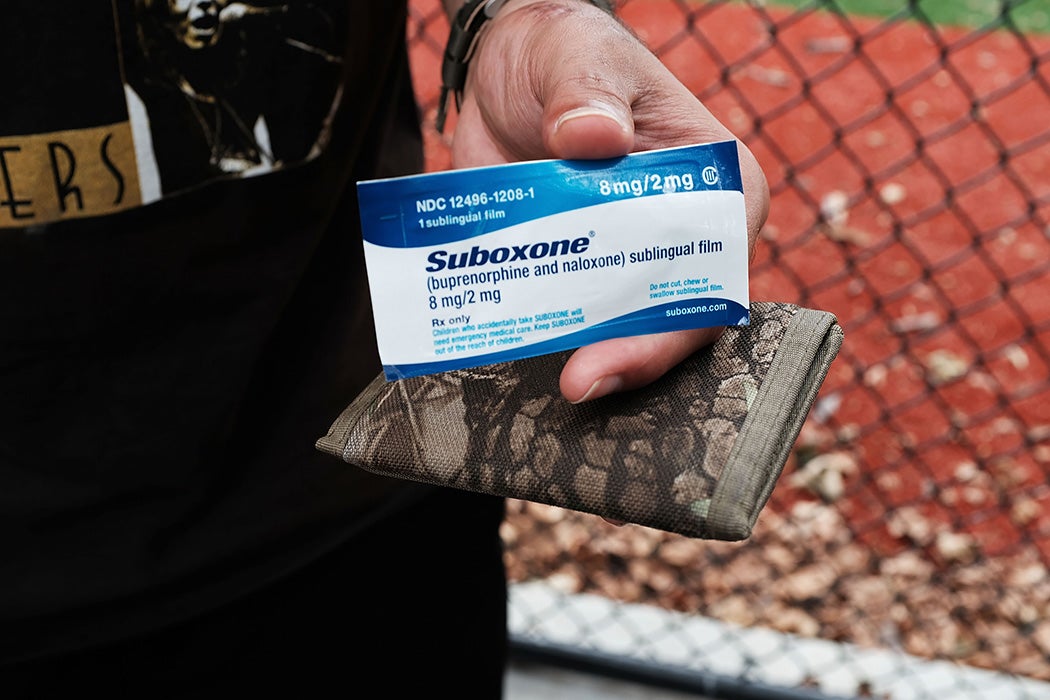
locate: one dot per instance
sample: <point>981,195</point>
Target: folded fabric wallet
<point>695,453</point>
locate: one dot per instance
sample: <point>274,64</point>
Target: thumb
<point>582,122</point>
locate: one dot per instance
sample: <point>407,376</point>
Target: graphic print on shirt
<point>174,94</point>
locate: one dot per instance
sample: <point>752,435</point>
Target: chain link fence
<point>904,552</point>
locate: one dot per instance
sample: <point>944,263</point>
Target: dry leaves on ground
<point>806,573</point>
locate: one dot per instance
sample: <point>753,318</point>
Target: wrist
<point>465,28</point>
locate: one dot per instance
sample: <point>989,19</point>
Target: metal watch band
<point>462,38</point>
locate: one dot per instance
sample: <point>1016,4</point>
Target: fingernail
<point>602,387</point>
<point>594,109</point>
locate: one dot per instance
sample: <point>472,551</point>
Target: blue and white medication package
<point>483,265</point>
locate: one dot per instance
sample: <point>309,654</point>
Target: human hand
<point>563,79</point>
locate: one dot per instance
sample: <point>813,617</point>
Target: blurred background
<point>904,552</point>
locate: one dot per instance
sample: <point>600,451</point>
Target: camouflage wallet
<point>695,453</point>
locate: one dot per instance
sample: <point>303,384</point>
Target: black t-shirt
<point>183,307</point>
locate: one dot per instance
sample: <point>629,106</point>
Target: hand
<point>563,79</point>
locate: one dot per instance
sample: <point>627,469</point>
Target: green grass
<point>1028,15</point>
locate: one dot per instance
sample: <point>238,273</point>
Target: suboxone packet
<point>483,265</point>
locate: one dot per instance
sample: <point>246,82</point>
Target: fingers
<point>580,126</point>
<point>588,93</point>
<point>756,195</point>
<point>542,94</point>
<point>534,91</point>
<point>622,364</point>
